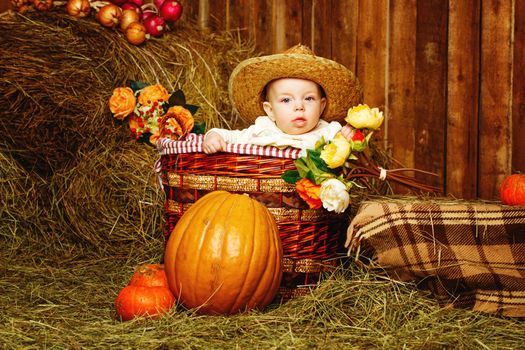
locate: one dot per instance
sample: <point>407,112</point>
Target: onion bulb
<point>109,15</point>
<point>128,16</point>
<point>78,8</point>
<point>136,33</point>
<point>43,5</point>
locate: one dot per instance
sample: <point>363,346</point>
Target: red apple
<point>118,2</point>
<point>139,3</point>
<point>158,3</point>
<point>131,6</point>
<point>155,25</point>
<point>171,10</point>
<point>147,13</point>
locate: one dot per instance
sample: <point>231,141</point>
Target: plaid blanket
<point>469,254</point>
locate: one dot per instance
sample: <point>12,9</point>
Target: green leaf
<point>301,166</point>
<point>177,99</point>
<point>144,138</point>
<point>319,145</point>
<point>193,109</point>
<point>199,128</point>
<point>137,85</point>
<point>165,107</point>
<point>310,176</point>
<point>319,162</point>
<point>291,176</point>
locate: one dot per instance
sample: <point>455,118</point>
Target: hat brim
<point>250,77</point>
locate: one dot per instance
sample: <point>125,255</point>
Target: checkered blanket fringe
<point>193,144</point>
<point>469,254</point>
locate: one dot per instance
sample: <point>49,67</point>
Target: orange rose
<point>309,192</point>
<point>179,121</point>
<point>133,123</point>
<point>174,127</point>
<point>122,102</point>
<point>153,139</point>
<point>153,93</point>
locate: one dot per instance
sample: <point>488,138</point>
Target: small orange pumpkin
<point>149,275</point>
<point>224,255</point>
<point>512,190</point>
<point>147,294</point>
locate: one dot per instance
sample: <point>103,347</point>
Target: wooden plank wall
<point>449,75</point>
<point>4,5</point>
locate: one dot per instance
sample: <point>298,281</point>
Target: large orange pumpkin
<point>512,190</point>
<point>224,255</point>
<point>147,294</point>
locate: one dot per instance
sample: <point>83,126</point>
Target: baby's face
<point>295,105</point>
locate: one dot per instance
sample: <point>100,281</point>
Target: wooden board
<point>462,99</point>
<point>219,17</point>
<point>5,5</point>
<point>400,106</point>
<point>317,26</point>
<point>518,90</point>
<point>495,140</point>
<point>262,22</point>
<point>430,102</point>
<point>372,53</point>
<point>345,17</point>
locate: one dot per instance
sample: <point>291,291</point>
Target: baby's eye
<point>285,99</point>
<point>310,98</point>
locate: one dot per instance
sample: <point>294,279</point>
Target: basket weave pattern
<point>309,237</point>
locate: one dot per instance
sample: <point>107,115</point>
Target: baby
<point>301,95</point>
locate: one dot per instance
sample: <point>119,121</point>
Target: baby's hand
<point>213,143</point>
<point>348,131</point>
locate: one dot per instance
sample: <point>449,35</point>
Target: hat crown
<point>300,49</point>
<point>249,78</point>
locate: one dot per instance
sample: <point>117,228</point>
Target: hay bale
<point>17,192</point>
<point>111,198</point>
<point>26,216</point>
<point>94,186</point>
<point>58,72</point>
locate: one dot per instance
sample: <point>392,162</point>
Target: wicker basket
<point>310,238</point>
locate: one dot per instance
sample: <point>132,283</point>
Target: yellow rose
<point>153,93</point>
<point>363,117</point>
<point>122,102</point>
<point>336,153</point>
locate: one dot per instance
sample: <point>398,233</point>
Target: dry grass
<point>59,302</point>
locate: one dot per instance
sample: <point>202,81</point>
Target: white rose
<point>334,195</point>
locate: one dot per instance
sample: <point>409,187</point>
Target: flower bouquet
<point>338,169</point>
<point>153,112</point>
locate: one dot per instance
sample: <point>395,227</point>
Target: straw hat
<point>249,78</point>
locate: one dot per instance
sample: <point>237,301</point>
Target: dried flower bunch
<point>153,112</point>
<point>328,175</point>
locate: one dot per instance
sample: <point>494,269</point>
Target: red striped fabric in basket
<point>193,144</point>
